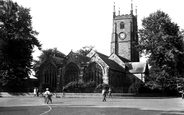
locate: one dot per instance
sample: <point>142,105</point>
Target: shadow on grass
<point>9,94</point>
<point>18,93</point>
<point>146,96</point>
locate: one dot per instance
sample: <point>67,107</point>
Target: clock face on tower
<point>122,35</point>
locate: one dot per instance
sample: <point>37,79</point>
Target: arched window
<point>93,73</point>
<point>71,73</point>
<point>50,75</point>
<point>122,25</point>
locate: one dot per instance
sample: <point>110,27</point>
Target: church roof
<point>137,67</point>
<point>83,58</point>
<point>57,60</point>
<point>112,64</point>
<point>102,55</point>
<point>123,59</point>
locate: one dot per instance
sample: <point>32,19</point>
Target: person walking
<point>182,95</point>
<point>104,94</point>
<point>34,92</point>
<point>110,92</point>
<point>47,96</point>
<point>37,93</point>
<point>63,90</point>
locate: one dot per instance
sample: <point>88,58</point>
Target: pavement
<point>160,105</point>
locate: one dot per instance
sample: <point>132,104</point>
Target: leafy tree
<point>17,39</point>
<point>85,50</point>
<point>50,52</point>
<point>162,41</point>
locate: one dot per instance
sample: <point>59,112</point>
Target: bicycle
<point>48,98</point>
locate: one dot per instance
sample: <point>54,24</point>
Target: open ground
<point>92,106</point>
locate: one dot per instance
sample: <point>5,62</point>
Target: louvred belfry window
<point>122,25</point>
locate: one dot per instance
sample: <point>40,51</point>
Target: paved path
<point>171,105</point>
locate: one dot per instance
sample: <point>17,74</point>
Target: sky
<point>71,24</point>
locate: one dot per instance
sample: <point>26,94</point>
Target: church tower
<point>124,35</point>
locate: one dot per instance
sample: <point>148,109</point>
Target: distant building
<point>49,72</point>
<point>121,69</point>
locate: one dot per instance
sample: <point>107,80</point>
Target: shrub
<point>90,84</point>
<point>80,87</point>
<point>134,88</point>
<point>144,89</point>
<point>171,91</point>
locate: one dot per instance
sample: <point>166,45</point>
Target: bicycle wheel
<point>46,100</point>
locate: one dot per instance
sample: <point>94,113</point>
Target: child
<point>48,96</point>
<point>104,94</point>
<point>34,92</point>
<point>63,90</point>
<point>110,92</point>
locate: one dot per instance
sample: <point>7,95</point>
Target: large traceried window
<point>93,73</point>
<point>50,75</point>
<point>116,78</point>
<point>71,73</point>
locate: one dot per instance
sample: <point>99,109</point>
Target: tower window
<point>122,25</point>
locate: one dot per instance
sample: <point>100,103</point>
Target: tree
<point>162,41</point>
<point>50,52</point>
<point>17,39</point>
<point>85,50</point>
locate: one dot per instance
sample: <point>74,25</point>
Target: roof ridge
<point>102,54</point>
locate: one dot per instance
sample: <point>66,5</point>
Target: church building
<point>120,70</point>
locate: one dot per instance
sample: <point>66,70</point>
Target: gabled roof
<point>117,59</point>
<point>82,58</point>
<point>112,64</point>
<point>102,55</point>
<point>57,60</point>
<point>123,59</point>
<point>137,67</point>
<point>91,53</point>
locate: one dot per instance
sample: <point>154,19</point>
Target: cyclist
<point>47,96</point>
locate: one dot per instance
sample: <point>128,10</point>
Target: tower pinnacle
<point>136,10</point>
<point>114,11</point>
<point>119,11</point>
<point>131,11</point>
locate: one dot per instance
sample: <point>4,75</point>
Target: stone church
<point>120,70</point>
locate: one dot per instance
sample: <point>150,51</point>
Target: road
<point>92,106</point>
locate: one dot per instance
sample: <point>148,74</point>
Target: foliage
<point>85,50</point>
<point>50,52</point>
<point>80,86</point>
<point>74,86</point>
<point>90,84</point>
<point>180,82</point>
<point>134,88</point>
<point>156,91</point>
<point>162,41</point>
<point>15,86</point>
<point>17,40</point>
<point>102,85</point>
<point>171,90</point>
